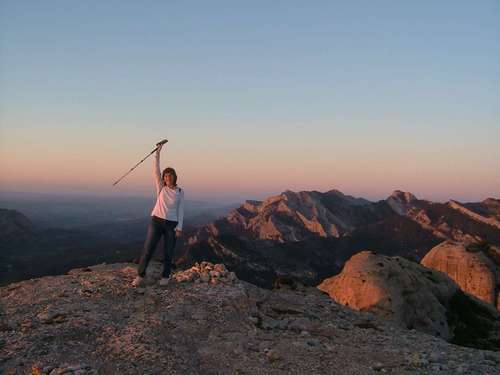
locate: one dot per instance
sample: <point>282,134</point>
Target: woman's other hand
<point>158,147</point>
<point>178,232</point>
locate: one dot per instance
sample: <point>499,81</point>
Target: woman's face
<point>169,179</point>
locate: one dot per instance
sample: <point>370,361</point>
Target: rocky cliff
<point>91,321</point>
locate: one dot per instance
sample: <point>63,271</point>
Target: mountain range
<point>308,235</point>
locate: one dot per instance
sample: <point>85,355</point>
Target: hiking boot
<point>164,281</point>
<point>138,281</point>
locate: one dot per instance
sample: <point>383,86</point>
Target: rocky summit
<point>206,321</point>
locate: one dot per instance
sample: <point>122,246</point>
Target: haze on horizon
<point>254,98</point>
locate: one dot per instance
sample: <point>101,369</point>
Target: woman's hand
<point>158,147</point>
<point>178,232</point>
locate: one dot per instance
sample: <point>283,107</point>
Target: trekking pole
<point>131,169</point>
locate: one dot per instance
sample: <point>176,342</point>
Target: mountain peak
<point>403,196</point>
<point>336,192</point>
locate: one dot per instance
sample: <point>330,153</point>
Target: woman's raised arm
<point>156,171</point>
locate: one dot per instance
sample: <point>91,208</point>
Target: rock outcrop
<point>470,266</point>
<point>395,288</point>
<point>91,321</point>
<point>414,297</point>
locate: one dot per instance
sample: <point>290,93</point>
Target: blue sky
<point>255,97</point>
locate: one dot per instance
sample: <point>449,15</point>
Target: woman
<point>167,218</point>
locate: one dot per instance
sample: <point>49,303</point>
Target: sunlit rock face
<point>401,201</point>
<point>396,288</point>
<point>414,297</point>
<point>294,216</point>
<point>474,268</point>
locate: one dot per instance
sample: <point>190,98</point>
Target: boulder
<point>415,297</point>
<point>469,266</point>
<point>401,290</point>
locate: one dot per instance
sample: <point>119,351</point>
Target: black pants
<point>158,227</point>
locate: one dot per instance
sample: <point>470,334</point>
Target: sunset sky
<point>255,97</point>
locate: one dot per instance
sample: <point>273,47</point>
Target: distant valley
<point>43,234</point>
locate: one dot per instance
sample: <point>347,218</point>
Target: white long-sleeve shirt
<point>169,202</point>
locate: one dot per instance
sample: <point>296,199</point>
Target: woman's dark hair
<point>172,172</point>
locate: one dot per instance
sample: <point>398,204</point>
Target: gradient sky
<point>255,97</point>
